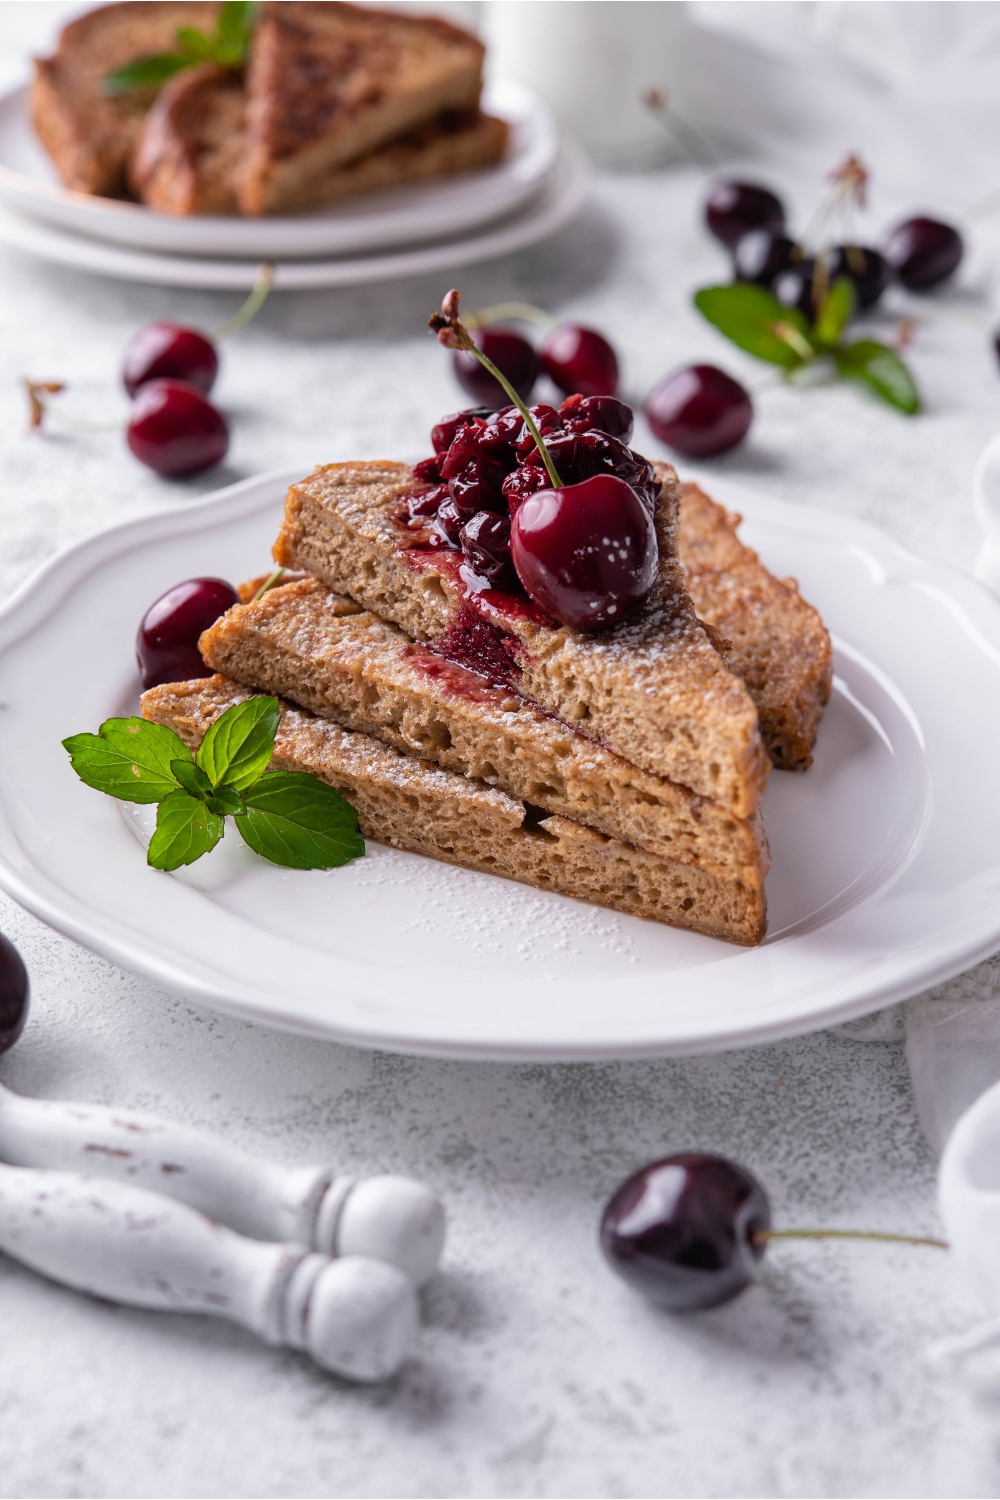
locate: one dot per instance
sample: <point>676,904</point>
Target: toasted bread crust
<point>653,689</point>
<point>189,154</point>
<point>779,646</point>
<point>406,802</point>
<point>328,83</point>
<point>313,647</point>
<point>88,134</point>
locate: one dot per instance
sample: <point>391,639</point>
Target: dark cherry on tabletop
<point>688,1231</point>
<point>699,411</point>
<point>760,256</point>
<point>169,350</point>
<point>13,994</point>
<point>586,553</point>
<point>580,361</point>
<point>175,429</point>
<point>513,356</point>
<point>865,267</point>
<point>732,209</point>
<point>923,252</point>
<point>166,645</point>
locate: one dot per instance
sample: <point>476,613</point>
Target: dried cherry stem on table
<point>761,1236</point>
<point>41,409</point>
<point>453,334</point>
<point>252,305</point>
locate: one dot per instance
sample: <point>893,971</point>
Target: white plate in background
<point>397,217</point>
<point>886,854</point>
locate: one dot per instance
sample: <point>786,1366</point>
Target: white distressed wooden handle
<point>355,1316</point>
<point>394,1219</point>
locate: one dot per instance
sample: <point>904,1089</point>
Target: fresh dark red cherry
<point>687,1232</point>
<point>862,265</point>
<point>175,429</point>
<point>760,256</point>
<point>167,643</point>
<point>923,252</point>
<point>13,994</point>
<point>732,209</point>
<point>700,411</point>
<point>586,553</point>
<point>169,349</point>
<point>580,361</point>
<point>513,356</point>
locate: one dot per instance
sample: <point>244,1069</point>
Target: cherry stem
<point>269,583</point>
<point>689,139</point>
<point>517,312</point>
<point>251,307</point>
<point>761,1236</point>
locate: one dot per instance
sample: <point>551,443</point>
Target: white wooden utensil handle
<point>355,1316</point>
<point>394,1219</point>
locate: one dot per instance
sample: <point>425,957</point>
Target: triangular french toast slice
<point>88,133</point>
<point>305,643</point>
<point>404,801</point>
<point>329,82</point>
<point>654,689</point>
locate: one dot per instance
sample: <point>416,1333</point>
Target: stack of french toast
<point>625,767</point>
<point>331,100</point>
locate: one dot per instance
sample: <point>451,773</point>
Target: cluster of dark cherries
<point>168,371</point>
<point>687,1232</point>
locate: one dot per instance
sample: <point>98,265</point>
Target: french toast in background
<point>334,100</point>
<point>89,134</point>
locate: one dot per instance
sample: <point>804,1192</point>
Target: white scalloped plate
<point>442,210</point>
<point>886,875</point>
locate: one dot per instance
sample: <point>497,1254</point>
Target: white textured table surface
<point>538,1373</point>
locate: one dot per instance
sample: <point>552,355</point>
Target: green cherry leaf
<point>758,323</point>
<point>185,830</point>
<point>129,758</point>
<point>239,745</point>
<point>146,72</point>
<point>882,371</point>
<point>836,311</point>
<point>296,820</point>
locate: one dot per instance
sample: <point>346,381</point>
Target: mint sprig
<point>757,322</point>
<point>289,817</point>
<point>228,48</point>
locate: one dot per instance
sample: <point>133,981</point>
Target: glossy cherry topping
<point>923,252</point>
<point>700,411</point>
<point>175,429</point>
<point>167,642</point>
<point>579,361</point>
<point>732,209</point>
<point>586,553</point>
<point>13,994</point>
<point>687,1231</point>
<point>513,356</point>
<point>169,350</point>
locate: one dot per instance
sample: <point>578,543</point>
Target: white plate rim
<point>556,202</point>
<point>923,964</point>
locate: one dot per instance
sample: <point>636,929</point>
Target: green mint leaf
<point>758,323</point>
<point>128,758</point>
<point>146,72</point>
<point>236,23</point>
<point>296,820</point>
<point>197,46</point>
<point>185,830</point>
<point>192,778</point>
<point>836,311</point>
<point>882,370</point>
<point>226,802</point>
<point>239,745</point>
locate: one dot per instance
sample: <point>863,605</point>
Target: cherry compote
<point>579,361</point>
<point>169,350</point>
<point>485,540</point>
<point>923,252</point>
<point>688,1231</point>
<point>175,429</point>
<point>166,645</point>
<point>732,209</point>
<point>13,994</point>
<point>513,356</point>
<point>586,553</point>
<point>700,411</point>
